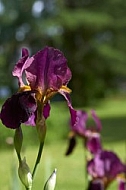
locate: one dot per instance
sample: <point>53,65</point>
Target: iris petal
<point>80,126</point>
<point>19,67</point>
<point>48,69</point>
<point>93,143</point>
<point>71,145</point>
<point>105,164</point>
<point>97,121</point>
<point>73,112</point>
<point>18,109</point>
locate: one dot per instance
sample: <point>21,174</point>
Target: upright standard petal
<point>80,127</point>
<point>18,109</point>
<point>20,66</point>
<point>48,69</point>
<point>97,121</point>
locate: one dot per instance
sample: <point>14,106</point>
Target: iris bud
<point>25,174</point>
<point>18,139</point>
<point>51,182</point>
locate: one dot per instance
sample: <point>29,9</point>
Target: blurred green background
<point>92,35</point>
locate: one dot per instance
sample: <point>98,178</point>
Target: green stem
<point>38,158</point>
<point>19,157</point>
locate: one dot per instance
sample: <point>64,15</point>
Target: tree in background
<point>90,33</point>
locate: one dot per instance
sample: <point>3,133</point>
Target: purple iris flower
<point>90,134</point>
<point>106,166</point>
<point>80,126</point>
<point>39,77</point>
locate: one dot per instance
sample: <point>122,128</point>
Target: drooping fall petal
<point>18,109</point>
<point>71,145</point>
<point>105,164</point>
<point>73,112</point>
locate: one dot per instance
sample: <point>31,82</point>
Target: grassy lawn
<point>70,175</point>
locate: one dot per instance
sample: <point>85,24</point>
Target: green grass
<point>70,175</point>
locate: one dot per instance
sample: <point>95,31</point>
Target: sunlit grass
<point>70,175</point>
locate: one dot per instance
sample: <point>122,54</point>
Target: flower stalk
<point>38,158</point>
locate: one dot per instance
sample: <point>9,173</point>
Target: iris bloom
<point>39,77</point>
<point>91,134</point>
<point>105,166</point>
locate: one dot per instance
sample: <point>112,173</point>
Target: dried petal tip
<point>51,182</point>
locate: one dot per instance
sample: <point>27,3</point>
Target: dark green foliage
<point>90,33</point>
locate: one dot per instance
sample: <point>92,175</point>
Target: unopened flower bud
<point>18,139</point>
<point>51,182</point>
<point>25,174</point>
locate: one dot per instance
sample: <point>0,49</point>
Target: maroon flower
<point>46,74</point>
<point>18,109</point>
<point>80,126</point>
<point>106,166</point>
<point>90,134</point>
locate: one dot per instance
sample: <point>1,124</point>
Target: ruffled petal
<point>20,66</point>
<point>105,164</point>
<point>18,109</point>
<point>32,120</point>
<point>48,69</point>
